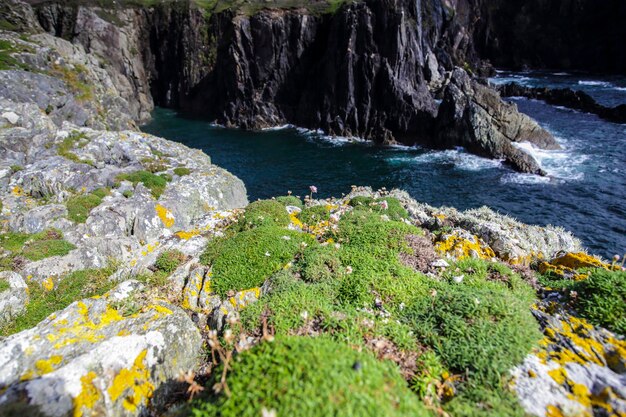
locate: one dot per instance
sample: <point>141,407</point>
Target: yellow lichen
<point>295,220</point>
<point>239,301</point>
<point>462,248</point>
<point>133,384</point>
<point>18,191</point>
<point>568,264</point>
<point>48,284</point>
<point>45,366</point>
<point>88,397</point>
<point>165,215</point>
<point>187,235</point>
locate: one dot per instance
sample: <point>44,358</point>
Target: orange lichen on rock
<point>568,264</point>
<point>461,248</point>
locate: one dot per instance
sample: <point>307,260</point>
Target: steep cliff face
<point>371,69</point>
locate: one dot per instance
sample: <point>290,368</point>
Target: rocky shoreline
<point>136,280</point>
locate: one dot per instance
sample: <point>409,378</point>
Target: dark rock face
<point>577,100</point>
<point>371,69</point>
<point>473,115</point>
<point>555,34</point>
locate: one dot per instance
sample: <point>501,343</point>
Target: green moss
<point>155,183</point>
<point>250,257</point>
<point>4,285</point>
<point>127,193</point>
<point>479,331</point>
<point>74,139</point>
<point>169,260</point>
<point>263,213</point>
<point>16,168</point>
<point>311,377</point>
<point>361,201</point>
<point>79,206</point>
<point>33,246</point>
<point>75,286</point>
<point>602,299</point>
<point>320,263</point>
<point>479,401</point>
<point>314,215</point>
<point>290,200</point>
<point>182,171</point>
<point>7,60</point>
<point>394,210</point>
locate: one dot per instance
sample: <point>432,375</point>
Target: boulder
<point>473,116</point>
<point>13,300</point>
<point>94,357</point>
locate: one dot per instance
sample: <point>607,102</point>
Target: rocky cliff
<point>371,69</point>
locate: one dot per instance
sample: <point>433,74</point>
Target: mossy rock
<point>314,215</point>
<point>79,206</point>
<point>601,299</point>
<point>311,377</point>
<point>263,213</point>
<point>34,247</point>
<point>155,183</point>
<point>248,258</point>
<point>394,210</point>
<point>479,331</point>
<point>290,200</point>
<point>320,263</point>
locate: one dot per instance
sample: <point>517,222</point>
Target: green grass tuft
<point>182,171</point>
<point>74,139</point>
<point>155,183</point>
<point>248,258</point>
<point>263,213</point>
<point>79,206</point>
<point>33,247</point>
<point>314,215</point>
<point>290,200</point>
<point>169,260</point>
<point>602,299</point>
<point>303,376</point>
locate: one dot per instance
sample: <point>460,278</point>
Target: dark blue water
<point>586,192</point>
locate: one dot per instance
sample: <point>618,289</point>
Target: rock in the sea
<point>472,115</point>
<point>97,358</point>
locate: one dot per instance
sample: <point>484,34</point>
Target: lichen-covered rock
<point>13,300</point>
<point>40,218</point>
<point>95,357</point>
<point>578,370</point>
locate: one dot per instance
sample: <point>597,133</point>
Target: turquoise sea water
<point>585,192</point>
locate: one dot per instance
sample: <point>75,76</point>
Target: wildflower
<point>401,306</point>
<point>616,258</point>
<point>268,413</point>
<point>313,189</point>
<point>385,218</point>
<point>476,300</point>
<point>458,279</point>
<point>337,245</point>
<point>304,315</point>
<point>334,218</point>
<point>384,205</point>
<point>286,238</point>
<point>573,294</point>
<point>304,244</point>
<point>228,336</point>
<point>433,293</point>
<point>268,254</point>
<point>288,192</point>
<point>348,269</point>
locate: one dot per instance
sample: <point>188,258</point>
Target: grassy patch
<point>75,79</point>
<point>602,299</point>
<point>263,213</point>
<point>33,247</point>
<point>290,200</point>
<point>248,258</point>
<point>4,285</point>
<point>393,209</point>
<point>75,286</point>
<point>320,263</point>
<point>73,140</point>
<point>7,61</point>
<point>182,171</point>
<point>79,206</point>
<point>155,183</point>
<point>169,260</point>
<point>312,377</point>
<point>314,215</point>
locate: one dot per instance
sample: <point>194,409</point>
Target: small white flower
<point>304,315</point>
<point>385,218</point>
<point>286,238</point>
<point>337,245</point>
<point>348,269</point>
<point>268,413</point>
<point>268,254</point>
<point>401,306</point>
<point>304,244</point>
<point>334,218</point>
<point>476,300</point>
<point>458,279</point>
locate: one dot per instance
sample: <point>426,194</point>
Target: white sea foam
<point>559,164</point>
<point>275,128</point>
<point>457,157</point>
<point>596,83</point>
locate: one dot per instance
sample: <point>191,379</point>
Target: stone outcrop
<point>572,99</point>
<point>472,115</point>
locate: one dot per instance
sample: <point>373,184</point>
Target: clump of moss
<point>481,331</point>
<point>311,377</point>
<point>33,247</point>
<point>74,139</point>
<point>75,286</point>
<point>290,200</point>
<point>263,213</point>
<point>601,299</point>
<point>155,183</point>
<point>394,208</point>
<point>169,260</point>
<point>320,263</point>
<point>79,206</point>
<point>314,215</point>
<point>182,171</point>
<point>154,165</point>
<point>4,285</point>
<point>248,258</point>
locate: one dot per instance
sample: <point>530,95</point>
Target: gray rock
<point>13,301</point>
<point>38,219</point>
<point>94,357</point>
